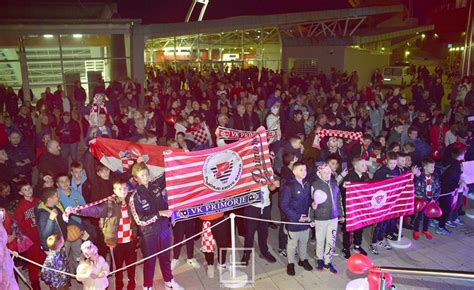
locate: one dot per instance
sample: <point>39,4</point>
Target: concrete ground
<point>443,252</point>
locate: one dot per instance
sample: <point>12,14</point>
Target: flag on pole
<point>199,177</point>
<point>201,134</point>
<point>119,155</point>
<point>368,203</point>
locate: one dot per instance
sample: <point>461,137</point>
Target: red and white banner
<point>234,134</point>
<point>319,135</point>
<point>119,155</point>
<point>194,178</point>
<point>368,203</point>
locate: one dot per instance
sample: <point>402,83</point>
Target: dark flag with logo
<point>202,177</point>
<point>368,203</point>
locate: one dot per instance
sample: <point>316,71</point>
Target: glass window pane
<point>41,73</point>
<point>87,46</point>
<point>10,73</point>
<point>9,48</point>
<point>41,47</point>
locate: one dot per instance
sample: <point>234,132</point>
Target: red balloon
<point>432,210</point>
<point>374,279</point>
<point>419,204</point>
<point>359,264</point>
<point>135,148</point>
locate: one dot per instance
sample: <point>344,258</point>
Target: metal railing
<point>436,273</point>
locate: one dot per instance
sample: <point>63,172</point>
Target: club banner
<point>222,205</point>
<point>199,177</point>
<point>233,134</point>
<point>368,203</point>
<point>319,135</point>
<point>119,155</point>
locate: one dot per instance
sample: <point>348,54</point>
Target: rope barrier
<point>167,249</point>
<point>272,221</point>
<point>15,254</point>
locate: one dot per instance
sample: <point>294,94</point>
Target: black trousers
<point>125,254</point>
<point>445,203</point>
<point>260,227</point>
<point>180,231</point>
<point>221,235</point>
<point>349,238</point>
<point>151,245</point>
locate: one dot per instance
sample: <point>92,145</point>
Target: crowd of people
<point>45,173</point>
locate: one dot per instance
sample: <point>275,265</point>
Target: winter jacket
<point>295,200</point>
<point>85,269</point>
<point>48,227</point>
<point>145,204</point>
<point>420,187</point>
<point>109,213</point>
<point>19,153</point>
<point>68,133</point>
<point>332,207</point>
<point>451,176</point>
<point>385,173</point>
<point>54,163</point>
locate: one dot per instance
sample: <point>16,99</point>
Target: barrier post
<point>401,242</point>
<point>232,237</point>
<point>233,278</point>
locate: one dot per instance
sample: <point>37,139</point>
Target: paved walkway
<point>443,252</point>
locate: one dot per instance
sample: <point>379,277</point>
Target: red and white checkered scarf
<point>208,243</point>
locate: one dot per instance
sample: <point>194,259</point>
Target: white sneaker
<point>210,271</point>
<point>194,263</point>
<point>471,196</point>
<point>174,263</point>
<point>172,285</point>
<point>222,267</point>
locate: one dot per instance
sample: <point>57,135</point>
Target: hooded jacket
<point>46,226</point>
<point>332,207</point>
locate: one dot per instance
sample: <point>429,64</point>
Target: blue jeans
<point>69,150</point>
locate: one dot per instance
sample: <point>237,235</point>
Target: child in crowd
<point>119,230</point>
<point>25,219</point>
<point>149,207</point>
<point>93,269</point>
<point>428,188</point>
<point>56,259</point>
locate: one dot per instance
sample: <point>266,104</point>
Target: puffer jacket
<point>109,213</point>
<point>295,200</point>
<point>46,226</point>
<point>332,207</point>
<point>420,187</point>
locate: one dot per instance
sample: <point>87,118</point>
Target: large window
<point>242,48</point>
<point>65,59</point>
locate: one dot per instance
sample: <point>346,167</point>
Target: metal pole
<point>232,238</point>
<point>469,47</point>
<point>426,272</point>
<point>400,226</point>
<point>466,38</point>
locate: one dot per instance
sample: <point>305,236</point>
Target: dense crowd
<point>45,171</point>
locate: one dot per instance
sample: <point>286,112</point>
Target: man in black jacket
<point>357,174</point>
<point>450,181</point>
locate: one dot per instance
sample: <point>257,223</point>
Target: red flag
<point>194,178</point>
<point>201,134</point>
<point>368,203</point>
<point>119,155</point>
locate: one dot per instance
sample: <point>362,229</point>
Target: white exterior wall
<point>325,56</point>
<point>364,62</point>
